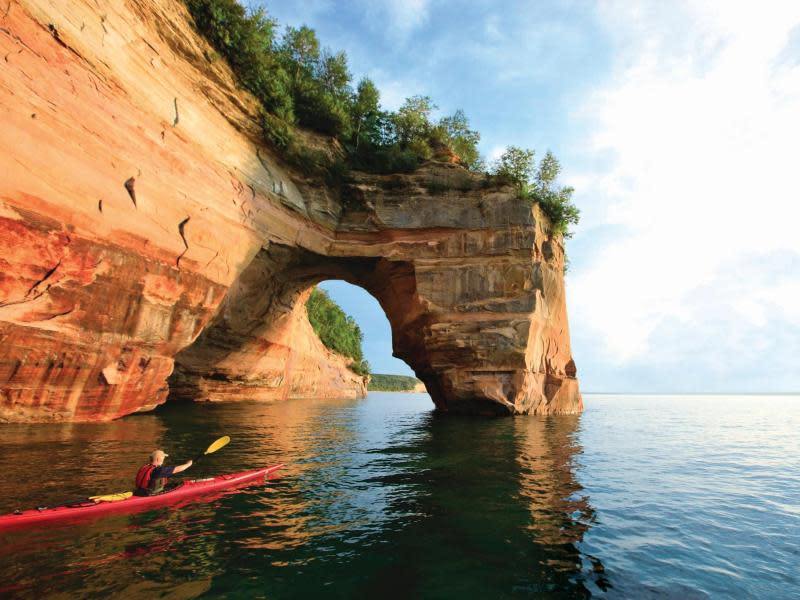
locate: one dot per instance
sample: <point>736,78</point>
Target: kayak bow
<point>89,508</point>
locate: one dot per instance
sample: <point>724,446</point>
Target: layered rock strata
<point>149,241</point>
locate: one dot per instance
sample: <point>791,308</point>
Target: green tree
<point>334,74</point>
<point>538,184</point>
<point>516,165</point>
<point>455,133</point>
<point>300,52</point>
<point>319,82</point>
<point>412,122</point>
<point>246,40</point>
<point>555,200</point>
<point>548,171</point>
<point>336,95</point>
<point>365,115</point>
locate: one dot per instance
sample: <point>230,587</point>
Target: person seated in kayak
<point>152,477</point>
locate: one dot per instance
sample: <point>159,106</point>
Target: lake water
<point>640,496</point>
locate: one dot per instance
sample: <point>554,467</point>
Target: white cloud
<point>702,118</point>
<point>735,334</point>
<point>399,18</point>
<point>495,153</point>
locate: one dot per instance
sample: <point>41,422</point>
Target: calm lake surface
<point>641,496</point>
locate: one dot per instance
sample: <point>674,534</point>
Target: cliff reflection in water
<point>378,497</point>
<point>547,453</point>
<point>451,507</point>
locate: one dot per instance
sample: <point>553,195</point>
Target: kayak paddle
<point>217,445</point>
<point>111,497</point>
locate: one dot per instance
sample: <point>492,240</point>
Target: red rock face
<point>89,329</point>
<point>145,230</point>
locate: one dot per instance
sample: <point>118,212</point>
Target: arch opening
<point>367,313</point>
<point>260,344</point>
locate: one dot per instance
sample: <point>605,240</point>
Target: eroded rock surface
<point>145,230</point>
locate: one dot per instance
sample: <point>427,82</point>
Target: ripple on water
<point>663,497</point>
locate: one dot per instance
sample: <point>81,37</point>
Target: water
<point>648,496</point>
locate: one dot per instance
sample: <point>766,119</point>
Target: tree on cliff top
<point>453,132</point>
<point>320,82</point>
<point>299,82</point>
<point>366,113</point>
<point>516,165</point>
<point>538,184</point>
<point>247,42</point>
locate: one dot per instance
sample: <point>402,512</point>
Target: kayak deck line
<point>187,490</point>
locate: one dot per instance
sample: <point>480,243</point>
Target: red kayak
<point>185,491</point>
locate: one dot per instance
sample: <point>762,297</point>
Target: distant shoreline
<point>382,382</point>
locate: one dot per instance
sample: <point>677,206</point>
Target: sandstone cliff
<point>145,230</point>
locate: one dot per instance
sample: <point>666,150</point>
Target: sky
<point>678,124</point>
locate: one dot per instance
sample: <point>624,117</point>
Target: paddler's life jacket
<point>142,481</point>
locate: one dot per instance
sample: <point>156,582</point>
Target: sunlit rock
<point>144,229</point>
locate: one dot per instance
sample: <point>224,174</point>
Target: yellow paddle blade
<point>220,443</point>
<point>112,497</point>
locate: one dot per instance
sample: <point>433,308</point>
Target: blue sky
<point>677,123</point>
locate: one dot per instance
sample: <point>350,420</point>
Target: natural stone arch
<point>245,351</point>
<point>249,349</point>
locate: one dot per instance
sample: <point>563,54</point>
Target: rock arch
<point>478,314</point>
<point>260,344</point>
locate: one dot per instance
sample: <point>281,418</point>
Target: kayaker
<point>152,477</point>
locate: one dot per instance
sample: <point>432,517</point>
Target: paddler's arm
<point>182,467</point>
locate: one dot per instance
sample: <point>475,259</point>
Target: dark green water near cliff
<point>648,496</point>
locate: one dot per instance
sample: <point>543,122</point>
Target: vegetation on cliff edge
<point>300,83</point>
<point>537,183</point>
<point>337,330</point>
